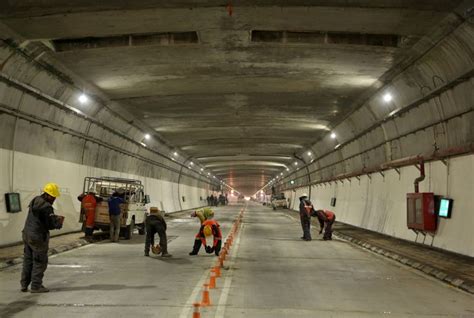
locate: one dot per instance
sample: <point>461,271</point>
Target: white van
<point>133,210</point>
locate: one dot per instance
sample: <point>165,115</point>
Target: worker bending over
<point>326,219</point>
<point>155,223</point>
<point>203,214</point>
<point>208,228</point>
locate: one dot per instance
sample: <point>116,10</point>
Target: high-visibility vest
<point>329,214</point>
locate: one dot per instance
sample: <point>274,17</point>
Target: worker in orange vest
<point>208,227</point>
<point>88,204</point>
<point>326,219</point>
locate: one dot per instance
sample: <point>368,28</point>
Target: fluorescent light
<point>337,146</point>
<point>143,144</point>
<point>147,136</point>
<point>333,135</point>
<point>387,97</point>
<point>83,98</point>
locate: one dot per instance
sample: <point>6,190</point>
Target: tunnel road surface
<point>271,273</point>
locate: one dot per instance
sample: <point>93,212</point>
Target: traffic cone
<point>196,313</point>
<point>206,299</point>
<point>217,269</point>
<point>221,261</point>
<point>212,280</point>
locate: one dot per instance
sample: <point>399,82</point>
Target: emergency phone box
<point>421,214</point>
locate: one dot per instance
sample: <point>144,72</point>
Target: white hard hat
<point>304,195</point>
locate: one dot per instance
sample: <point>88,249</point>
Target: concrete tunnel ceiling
<point>239,94</point>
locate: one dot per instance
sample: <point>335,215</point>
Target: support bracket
<point>397,170</point>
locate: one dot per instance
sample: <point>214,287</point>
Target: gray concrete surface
<point>272,273</point>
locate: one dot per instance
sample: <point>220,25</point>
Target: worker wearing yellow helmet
<point>203,214</point>
<point>39,221</point>
<point>208,228</point>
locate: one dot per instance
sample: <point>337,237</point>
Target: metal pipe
<point>421,177</point>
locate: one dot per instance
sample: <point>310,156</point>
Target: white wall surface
<point>31,172</point>
<point>379,203</point>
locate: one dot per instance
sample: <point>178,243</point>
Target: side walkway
<point>454,269</point>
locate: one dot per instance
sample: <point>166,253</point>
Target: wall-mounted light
<point>202,169</point>
<point>387,97</point>
<point>191,163</point>
<point>143,144</point>
<point>83,98</point>
<point>281,173</point>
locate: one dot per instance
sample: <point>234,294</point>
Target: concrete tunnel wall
<point>378,203</point>
<point>434,96</point>
<point>43,141</point>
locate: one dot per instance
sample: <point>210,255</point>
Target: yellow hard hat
<point>207,230</point>
<point>52,189</point>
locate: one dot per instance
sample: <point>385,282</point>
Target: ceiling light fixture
<point>83,98</point>
<point>147,136</point>
<point>333,135</point>
<point>387,97</point>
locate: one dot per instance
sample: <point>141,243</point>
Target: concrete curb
<point>438,274</point>
<point>52,251</point>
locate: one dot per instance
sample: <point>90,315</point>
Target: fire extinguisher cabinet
<point>421,212</point>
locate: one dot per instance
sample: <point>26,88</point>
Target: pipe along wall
<point>378,202</point>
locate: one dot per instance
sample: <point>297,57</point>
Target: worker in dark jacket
<point>155,223</point>
<point>40,220</point>
<point>306,209</point>
<point>326,219</point>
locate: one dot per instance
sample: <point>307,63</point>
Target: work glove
<point>209,249</point>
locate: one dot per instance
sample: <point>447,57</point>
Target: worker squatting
<point>41,219</point>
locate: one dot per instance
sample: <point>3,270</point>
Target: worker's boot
<point>42,289</point>
<point>196,247</point>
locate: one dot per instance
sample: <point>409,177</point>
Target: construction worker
<point>40,220</point>
<point>114,213</point>
<point>306,209</point>
<point>208,227</point>
<point>326,219</point>
<point>155,223</point>
<point>203,214</point>
<point>88,205</point>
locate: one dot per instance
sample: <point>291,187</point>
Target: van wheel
<point>129,230</point>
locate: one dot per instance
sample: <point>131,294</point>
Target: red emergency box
<point>421,214</point>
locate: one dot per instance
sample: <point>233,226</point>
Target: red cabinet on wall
<point>421,212</point>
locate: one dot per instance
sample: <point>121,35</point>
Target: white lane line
<point>228,279</point>
<point>185,313</point>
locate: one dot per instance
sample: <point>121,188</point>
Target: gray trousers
<point>306,225</point>
<point>35,260</point>
<point>114,227</point>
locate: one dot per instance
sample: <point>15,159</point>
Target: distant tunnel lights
<point>387,98</point>
<point>83,98</point>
